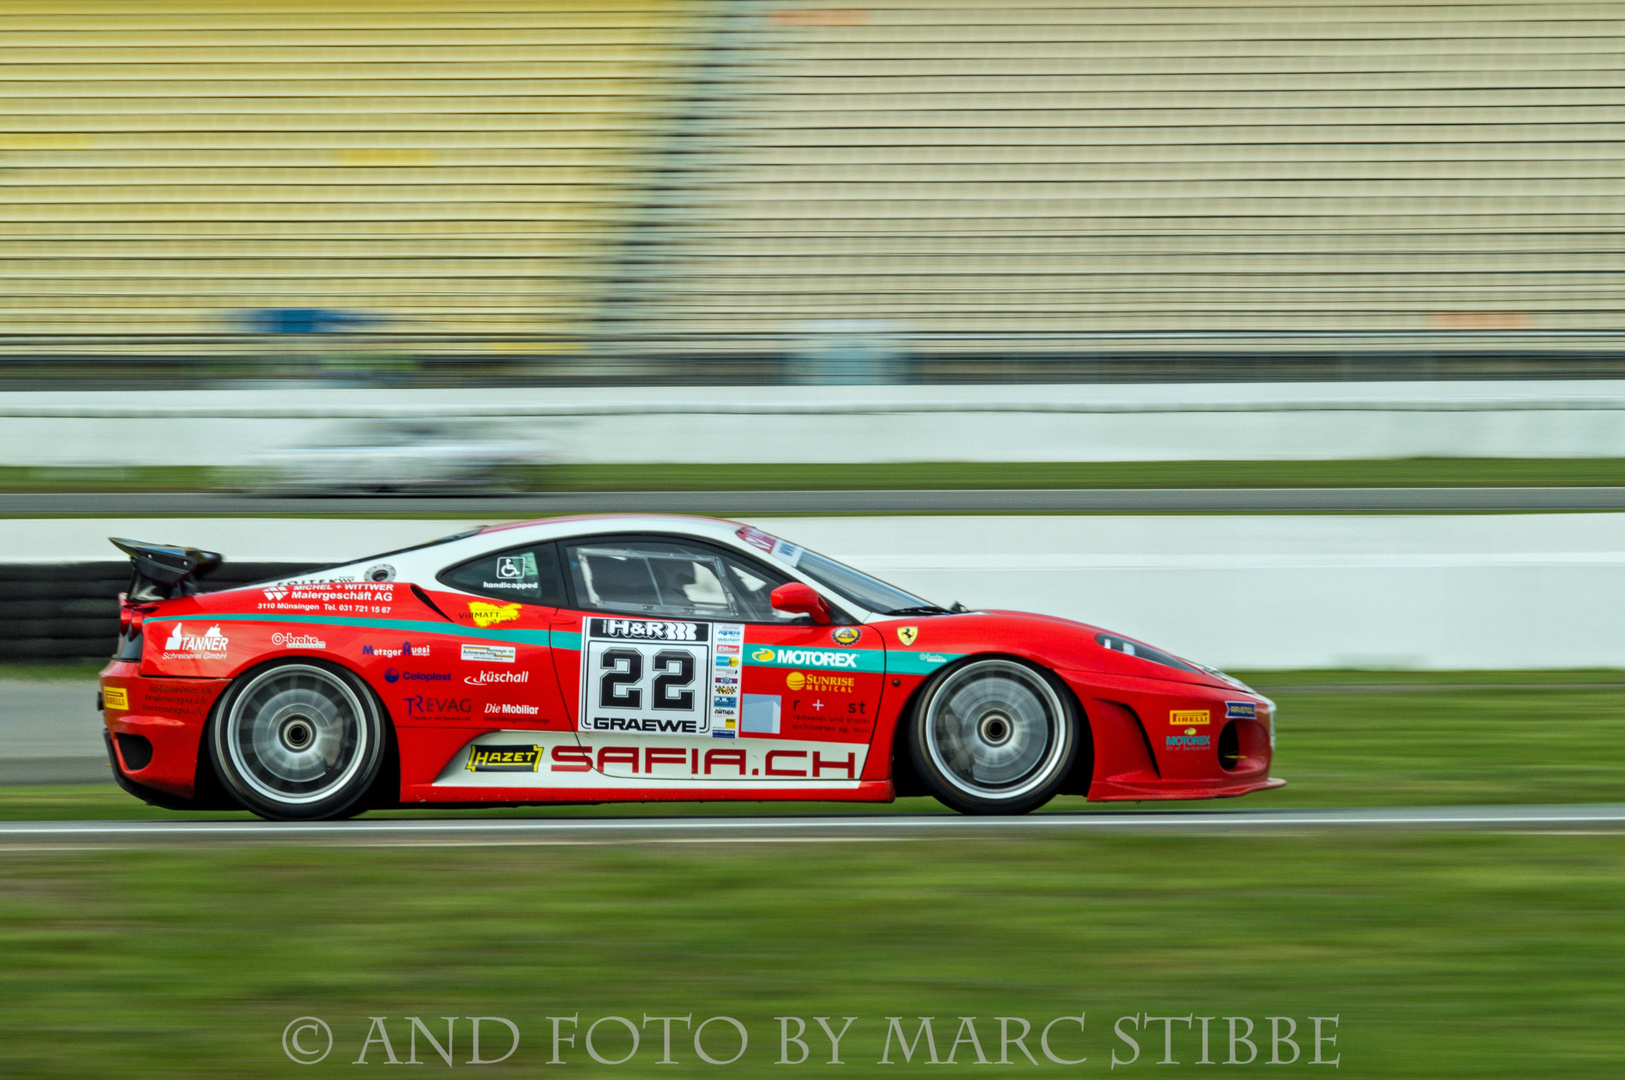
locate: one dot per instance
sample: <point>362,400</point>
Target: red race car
<point>631,659</point>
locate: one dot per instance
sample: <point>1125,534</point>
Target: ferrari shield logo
<point>907,634</point>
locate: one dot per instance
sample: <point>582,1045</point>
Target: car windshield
<point>867,592</point>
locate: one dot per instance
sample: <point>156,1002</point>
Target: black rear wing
<point>161,571</point>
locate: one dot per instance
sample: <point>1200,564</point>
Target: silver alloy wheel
<point>994,729</point>
<point>296,734</point>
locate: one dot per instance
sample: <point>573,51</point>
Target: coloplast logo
<point>211,644</point>
<point>298,641</point>
<point>490,678</point>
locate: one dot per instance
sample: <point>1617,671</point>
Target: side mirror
<point>798,598</point>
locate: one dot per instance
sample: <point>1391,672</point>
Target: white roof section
<point>421,565</point>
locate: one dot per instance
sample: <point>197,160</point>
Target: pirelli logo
<point>115,697</point>
<point>494,758</point>
<point>1187,717</point>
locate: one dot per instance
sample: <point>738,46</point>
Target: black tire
<point>994,736</point>
<point>297,740</point>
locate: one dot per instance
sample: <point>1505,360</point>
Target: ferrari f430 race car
<point>618,659</point>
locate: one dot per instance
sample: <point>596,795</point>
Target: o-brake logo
<point>642,630</point>
<point>807,657</point>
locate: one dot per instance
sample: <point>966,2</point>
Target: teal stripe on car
<point>411,626</point>
<point>896,663</point>
<point>914,663</point>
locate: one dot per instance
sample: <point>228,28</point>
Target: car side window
<point>634,576</point>
<point>528,574</point>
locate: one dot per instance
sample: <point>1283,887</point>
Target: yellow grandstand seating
<point>449,168</point>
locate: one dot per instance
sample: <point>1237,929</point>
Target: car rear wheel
<point>299,740</point>
<point>994,736</point>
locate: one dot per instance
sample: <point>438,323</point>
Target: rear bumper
<point>154,740</point>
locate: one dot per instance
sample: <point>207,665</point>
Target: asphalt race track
<point>51,835</point>
<point>984,500</point>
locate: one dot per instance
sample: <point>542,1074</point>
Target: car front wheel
<point>299,740</point>
<point>994,736</point>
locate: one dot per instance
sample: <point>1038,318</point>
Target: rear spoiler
<point>161,571</point>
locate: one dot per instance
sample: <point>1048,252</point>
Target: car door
<point>502,667</point>
<point>680,669</point>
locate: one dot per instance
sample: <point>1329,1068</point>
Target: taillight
<point>130,621</point>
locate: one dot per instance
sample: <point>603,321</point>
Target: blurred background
<point>566,192</point>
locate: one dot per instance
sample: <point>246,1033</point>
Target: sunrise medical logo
<point>210,645</point>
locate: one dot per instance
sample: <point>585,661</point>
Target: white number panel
<point>652,676</point>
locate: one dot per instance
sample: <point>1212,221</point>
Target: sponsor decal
<point>821,684</point>
<point>488,678</point>
<point>406,649</point>
<point>907,634</point>
<point>209,645</point>
<point>491,614</point>
<point>393,675</point>
<point>933,658</point>
<point>845,635</point>
<point>756,538</point>
<point>496,758</point>
<point>115,697</point>
<point>1240,710</point>
<point>827,658</point>
<point>489,654</point>
<point>649,630</point>
<point>727,661</point>
<point>1188,741</point>
<point>425,705</point>
<point>299,641</point>
<point>275,592</point>
<point>505,709</point>
<point>381,572</point>
<point>1179,717</point>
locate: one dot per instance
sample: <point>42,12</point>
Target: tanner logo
<point>210,644</point>
<point>491,614</point>
<point>1181,717</point>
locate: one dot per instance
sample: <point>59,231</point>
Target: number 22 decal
<point>618,688</point>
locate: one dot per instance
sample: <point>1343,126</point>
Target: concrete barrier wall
<point>1457,591</point>
<point>815,424</point>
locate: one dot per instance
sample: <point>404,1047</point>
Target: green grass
<point>1398,472</point>
<point>1345,738</point>
<point>1443,955</point>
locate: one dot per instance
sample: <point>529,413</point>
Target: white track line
<point>15,835</point>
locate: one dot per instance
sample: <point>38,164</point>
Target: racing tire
<point>994,736</point>
<point>298,740</point>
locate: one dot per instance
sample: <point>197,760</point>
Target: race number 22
<point>647,675</point>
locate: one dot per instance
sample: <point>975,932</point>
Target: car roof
<point>423,563</point>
